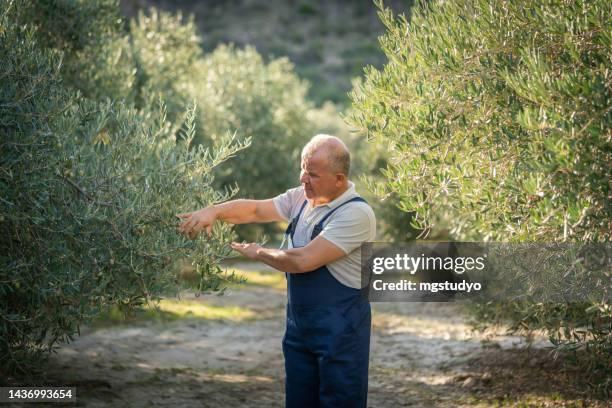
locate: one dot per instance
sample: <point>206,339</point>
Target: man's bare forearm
<point>289,260</point>
<point>237,211</point>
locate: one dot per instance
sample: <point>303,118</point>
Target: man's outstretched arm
<point>317,253</point>
<point>234,212</point>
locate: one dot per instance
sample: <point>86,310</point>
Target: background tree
<point>89,191</point>
<point>498,118</point>
<point>237,92</point>
<point>103,144</point>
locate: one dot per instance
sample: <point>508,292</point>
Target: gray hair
<point>338,155</point>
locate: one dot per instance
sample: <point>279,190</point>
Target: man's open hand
<point>248,250</point>
<point>197,221</point>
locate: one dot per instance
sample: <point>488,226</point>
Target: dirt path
<point>225,351</point>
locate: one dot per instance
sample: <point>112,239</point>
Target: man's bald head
<point>338,156</point>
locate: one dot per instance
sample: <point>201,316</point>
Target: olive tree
<point>497,116</point>
<point>89,190</point>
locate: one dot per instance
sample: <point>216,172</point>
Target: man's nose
<point>303,178</point>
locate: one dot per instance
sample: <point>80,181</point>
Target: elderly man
<point>327,338</point>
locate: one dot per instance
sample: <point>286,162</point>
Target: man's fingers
<point>186,227</point>
<point>192,228</point>
<point>199,226</point>
<point>189,225</point>
<point>238,246</point>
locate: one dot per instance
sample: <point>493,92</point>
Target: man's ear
<point>340,178</point>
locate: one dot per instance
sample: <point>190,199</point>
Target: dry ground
<point>225,351</point>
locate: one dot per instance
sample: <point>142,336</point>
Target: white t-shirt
<point>347,228</point>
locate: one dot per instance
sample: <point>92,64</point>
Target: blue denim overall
<point>327,340</point>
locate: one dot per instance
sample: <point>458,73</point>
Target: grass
<point>171,309</point>
<point>183,309</point>
<point>273,280</point>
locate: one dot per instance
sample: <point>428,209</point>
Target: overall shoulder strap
<point>293,222</point>
<point>319,227</point>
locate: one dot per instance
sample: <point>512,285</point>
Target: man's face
<point>318,181</point>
